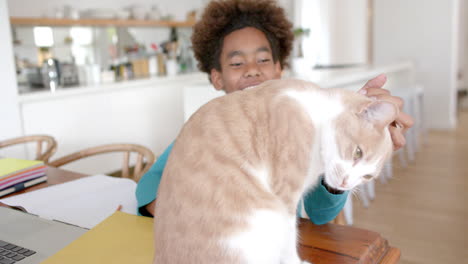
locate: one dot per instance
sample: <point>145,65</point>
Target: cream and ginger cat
<point>243,161</point>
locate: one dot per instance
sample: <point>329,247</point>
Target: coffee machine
<point>51,74</point>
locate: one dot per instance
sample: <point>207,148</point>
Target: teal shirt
<point>320,205</point>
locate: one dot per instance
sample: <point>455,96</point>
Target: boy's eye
<point>264,60</point>
<point>235,64</point>
<point>357,154</point>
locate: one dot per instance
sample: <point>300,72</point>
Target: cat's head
<point>356,145</point>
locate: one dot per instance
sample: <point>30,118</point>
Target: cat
<point>242,162</point>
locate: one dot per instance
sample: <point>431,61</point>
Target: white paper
<point>84,202</point>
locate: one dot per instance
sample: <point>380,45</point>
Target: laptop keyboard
<point>10,253</point>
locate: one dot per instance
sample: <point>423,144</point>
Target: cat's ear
<point>380,113</point>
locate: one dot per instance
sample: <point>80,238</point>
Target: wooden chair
<point>51,145</point>
<point>144,160</point>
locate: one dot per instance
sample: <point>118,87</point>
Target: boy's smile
<point>246,60</point>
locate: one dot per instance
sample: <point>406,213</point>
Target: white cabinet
<point>150,114</point>
<point>196,95</point>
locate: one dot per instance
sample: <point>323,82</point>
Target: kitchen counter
<point>151,111</point>
<point>326,78</point>
<point>34,94</point>
<point>343,77</point>
<point>399,75</point>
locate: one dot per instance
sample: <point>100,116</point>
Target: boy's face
<point>246,60</point>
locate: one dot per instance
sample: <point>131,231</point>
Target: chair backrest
<point>145,158</point>
<point>44,155</point>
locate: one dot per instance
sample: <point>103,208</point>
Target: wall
<point>178,8</point>
<point>425,32</point>
<point>346,38</point>
<point>463,46</point>
<point>10,125</point>
<point>338,31</point>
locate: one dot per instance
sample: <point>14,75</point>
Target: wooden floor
<point>423,210</point>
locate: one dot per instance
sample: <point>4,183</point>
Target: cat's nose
<point>344,182</point>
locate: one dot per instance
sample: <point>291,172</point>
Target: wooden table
<point>324,244</point>
<point>331,243</point>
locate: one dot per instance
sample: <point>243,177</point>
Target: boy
<point>242,43</point>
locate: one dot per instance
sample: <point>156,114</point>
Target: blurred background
<point>95,72</point>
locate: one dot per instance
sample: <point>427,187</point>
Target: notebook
<point>17,174</point>
<point>120,238</point>
<point>83,202</point>
<point>32,239</point>
<point>23,185</point>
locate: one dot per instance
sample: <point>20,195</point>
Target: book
<point>14,173</point>
<point>10,166</point>
<point>84,202</point>
<point>23,185</point>
<point>120,238</point>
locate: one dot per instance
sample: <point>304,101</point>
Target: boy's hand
<point>373,89</point>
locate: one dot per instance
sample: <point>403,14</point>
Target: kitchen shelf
<point>62,22</point>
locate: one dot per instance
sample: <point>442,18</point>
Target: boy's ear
<point>278,69</point>
<point>217,80</point>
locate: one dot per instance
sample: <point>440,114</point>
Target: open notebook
<point>84,202</point>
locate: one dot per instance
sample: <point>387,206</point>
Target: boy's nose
<point>252,70</point>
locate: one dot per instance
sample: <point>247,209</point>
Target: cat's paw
<point>306,262</point>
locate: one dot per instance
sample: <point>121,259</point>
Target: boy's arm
<point>322,205</point>
<point>147,187</point>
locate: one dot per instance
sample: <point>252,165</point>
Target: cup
<point>171,67</point>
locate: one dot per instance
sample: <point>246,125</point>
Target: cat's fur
<point>242,162</point>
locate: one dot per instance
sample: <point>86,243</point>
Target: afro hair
<point>222,17</point>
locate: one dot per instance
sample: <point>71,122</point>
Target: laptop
<point>27,238</point>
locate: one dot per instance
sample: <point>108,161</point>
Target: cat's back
<point>220,138</point>
<point>240,112</point>
<point>202,193</point>
<point>207,188</point>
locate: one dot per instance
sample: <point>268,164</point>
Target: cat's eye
<point>357,154</point>
<point>368,177</point>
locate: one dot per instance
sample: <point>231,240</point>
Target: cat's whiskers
<point>336,171</point>
<point>355,193</point>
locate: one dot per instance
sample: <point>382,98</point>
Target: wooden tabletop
<point>331,243</point>
<point>319,244</point>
